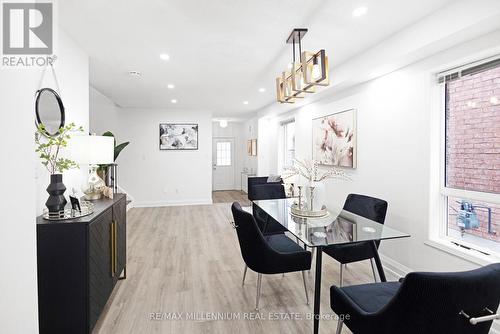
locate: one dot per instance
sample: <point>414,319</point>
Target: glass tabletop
<point>336,228</point>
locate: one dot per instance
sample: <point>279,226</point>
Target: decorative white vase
<point>318,196</point>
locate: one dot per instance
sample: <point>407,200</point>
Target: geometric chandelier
<point>304,74</point>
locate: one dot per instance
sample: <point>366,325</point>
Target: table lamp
<point>93,150</point>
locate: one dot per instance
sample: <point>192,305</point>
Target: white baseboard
<point>395,270</point>
<point>154,204</point>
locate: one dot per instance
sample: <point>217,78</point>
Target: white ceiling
<point>221,51</point>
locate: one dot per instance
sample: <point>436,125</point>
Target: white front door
<point>223,164</point>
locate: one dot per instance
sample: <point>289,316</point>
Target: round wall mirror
<point>49,111</point>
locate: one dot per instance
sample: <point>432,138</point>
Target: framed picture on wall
<point>249,147</point>
<point>178,136</point>
<point>334,139</point>
<point>254,147</point>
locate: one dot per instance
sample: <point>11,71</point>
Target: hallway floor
<point>230,196</point>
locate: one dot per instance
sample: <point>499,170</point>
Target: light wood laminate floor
<point>186,259</point>
<point>230,196</point>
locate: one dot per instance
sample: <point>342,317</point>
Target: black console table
<point>79,263</point>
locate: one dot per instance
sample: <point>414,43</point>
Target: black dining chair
<point>260,189</point>
<point>371,208</point>
<point>430,303</point>
<point>267,254</point>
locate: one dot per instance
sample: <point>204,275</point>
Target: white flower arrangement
<point>309,169</point>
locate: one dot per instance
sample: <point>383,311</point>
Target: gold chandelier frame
<point>304,75</point>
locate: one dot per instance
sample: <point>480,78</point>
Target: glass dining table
<point>334,229</point>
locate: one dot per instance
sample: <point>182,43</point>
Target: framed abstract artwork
<point>178,136</point>
<point>334,139</point>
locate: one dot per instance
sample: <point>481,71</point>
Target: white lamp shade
<point>92,150</point>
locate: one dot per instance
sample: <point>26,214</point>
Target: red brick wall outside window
<point>473,144</point>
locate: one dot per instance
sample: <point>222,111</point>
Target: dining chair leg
<point>313,254</point>
<point>373,271</point>
<point>244,275</point>
<point>259,281</point>
<point>339,326</point>
<point>305,286</point>
<point>341,275</point>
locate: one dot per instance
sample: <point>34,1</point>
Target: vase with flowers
<point>314,188</point>
<point>49,149</point>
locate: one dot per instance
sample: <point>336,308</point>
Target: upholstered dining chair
<point>370,208</point>
<point>431,303</point>
<point>267,254</point>
<point>260,189</point>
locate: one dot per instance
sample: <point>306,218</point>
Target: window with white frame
<point>470,191</point>
<point>223,153</point>
<point>288,142</point>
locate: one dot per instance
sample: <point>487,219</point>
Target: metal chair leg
<point>259,281</point>
<point>339,326</point>
<point>244,275</point>
<point>313,253</point>
<point>373,271</point>
<point>305,286</point>
<point>341,275</point>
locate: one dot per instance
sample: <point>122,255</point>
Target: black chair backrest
<point>260,189</point>
<point>253,246</point>
<point>431,302</point>
<point>366,206</point>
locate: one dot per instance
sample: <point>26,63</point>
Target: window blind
<point>471,68</point>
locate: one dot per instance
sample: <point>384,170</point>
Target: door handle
<point>112,246</point>
<point>116,247</point>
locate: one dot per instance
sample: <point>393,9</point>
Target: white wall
<point>395,127</point>
<point>24,181</point>
<point>18,305</point>
<point>153,177</point>
<point>267,144</point>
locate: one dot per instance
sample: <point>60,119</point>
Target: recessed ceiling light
<point>174,101</point>
<point>494,100</point>
<point>134,73</point>
<point>360,11</point>
<point>223,123</point>
<point>245,102</point>
<point>164,56</point>
<point>262,90</point>
<point>170,86</point>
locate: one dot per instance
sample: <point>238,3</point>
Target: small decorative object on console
<point>108,192</point>
<point>75,204</point>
